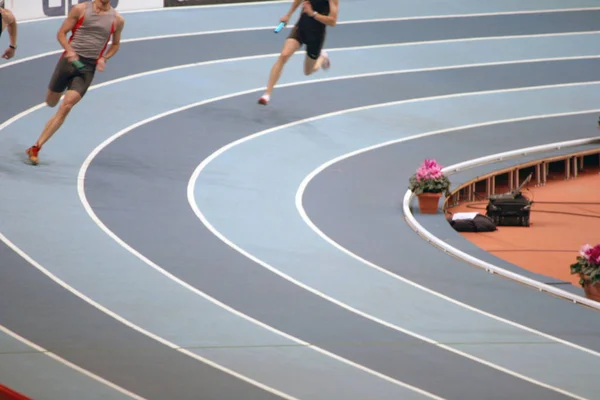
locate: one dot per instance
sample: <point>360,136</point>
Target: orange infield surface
<point>565,215</point>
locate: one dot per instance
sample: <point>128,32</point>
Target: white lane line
<point>26,112</point>
<point>237,30</point>
<point>484,14</point>
<point>193,204</point>
<point>69,364</point>
<point>131,325</point>
<point>434,240</point>
<point>191,201</point>
<point>308,81</point>
<point>150,263</point>
<point>366,47</point>
<point>308,221</point>
<point>180,35</point>
<point>99,223</point>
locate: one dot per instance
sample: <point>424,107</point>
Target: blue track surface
<point>172,246</point>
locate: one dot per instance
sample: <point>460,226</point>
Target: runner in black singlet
<point>9,22</point>
<point>310,30</point>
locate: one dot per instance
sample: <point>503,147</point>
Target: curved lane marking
<point>69,364</point>
<point>191,200</point>
<point>178,35</point>
<point>121,79</point>
<point>308,221</point>
<point>305,82</point>
<point>129,324</point>
<point>199,214</point>
<point>99,223</point>
<point>359,21</point>
<point>489,267</point>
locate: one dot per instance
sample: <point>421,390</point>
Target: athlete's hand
<point>285,19</point>
<point>307,8</point>
<point>8,53</point>
<point>101,64</point>
<point>71,56</point>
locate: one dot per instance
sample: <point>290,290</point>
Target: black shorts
<point>67,77</point>
<point>313,39</point>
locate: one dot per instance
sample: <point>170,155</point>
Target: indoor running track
<point>179,241</point>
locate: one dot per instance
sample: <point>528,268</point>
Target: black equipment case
<point>510,209</point>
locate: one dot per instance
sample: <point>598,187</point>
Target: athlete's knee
<point>52,99</point>
<point>285,56</point>
<point>66,106</point>
<point>72,97</point>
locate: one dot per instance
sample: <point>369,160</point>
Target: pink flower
<point>585,251</point>
<point>594,254</point>
<point>591,254</point>
<point>430,169</point>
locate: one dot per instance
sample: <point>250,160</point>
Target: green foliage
<point>430,185</point>
<point>585,268</point>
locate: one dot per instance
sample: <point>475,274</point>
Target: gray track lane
<point>78,332</point>
<point>335,203</point>
<point>29,80</point>
<point>164,228</point>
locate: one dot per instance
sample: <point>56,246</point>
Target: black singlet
<point>308,22</point>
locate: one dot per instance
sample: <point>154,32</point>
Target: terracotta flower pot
<point>592,292</point>
<point>428,202</point>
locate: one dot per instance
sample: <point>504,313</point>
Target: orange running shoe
<point>32,152</point>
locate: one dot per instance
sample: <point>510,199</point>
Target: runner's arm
<point>116,39</point>
<point>330,19</point>
<point>11,27</point>
<point>68,24</point>
<point>293,8</point>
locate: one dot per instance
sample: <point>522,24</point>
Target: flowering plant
<point>588,264</point>
<point>429,178</point>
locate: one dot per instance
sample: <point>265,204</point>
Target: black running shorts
<point>67,77</point>
<point>313,40</point>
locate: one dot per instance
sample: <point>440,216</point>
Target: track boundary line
<point>82,173</point>
<point>28,111</point>
<point>487,266</point>
<point>212,229</point>
<point>69,364</point>
<point>268,28</point>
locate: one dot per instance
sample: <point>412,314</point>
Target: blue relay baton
<point>279,27</point>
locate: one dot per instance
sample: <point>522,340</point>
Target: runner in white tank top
<point>8,22</point>
<point>92,25</point>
